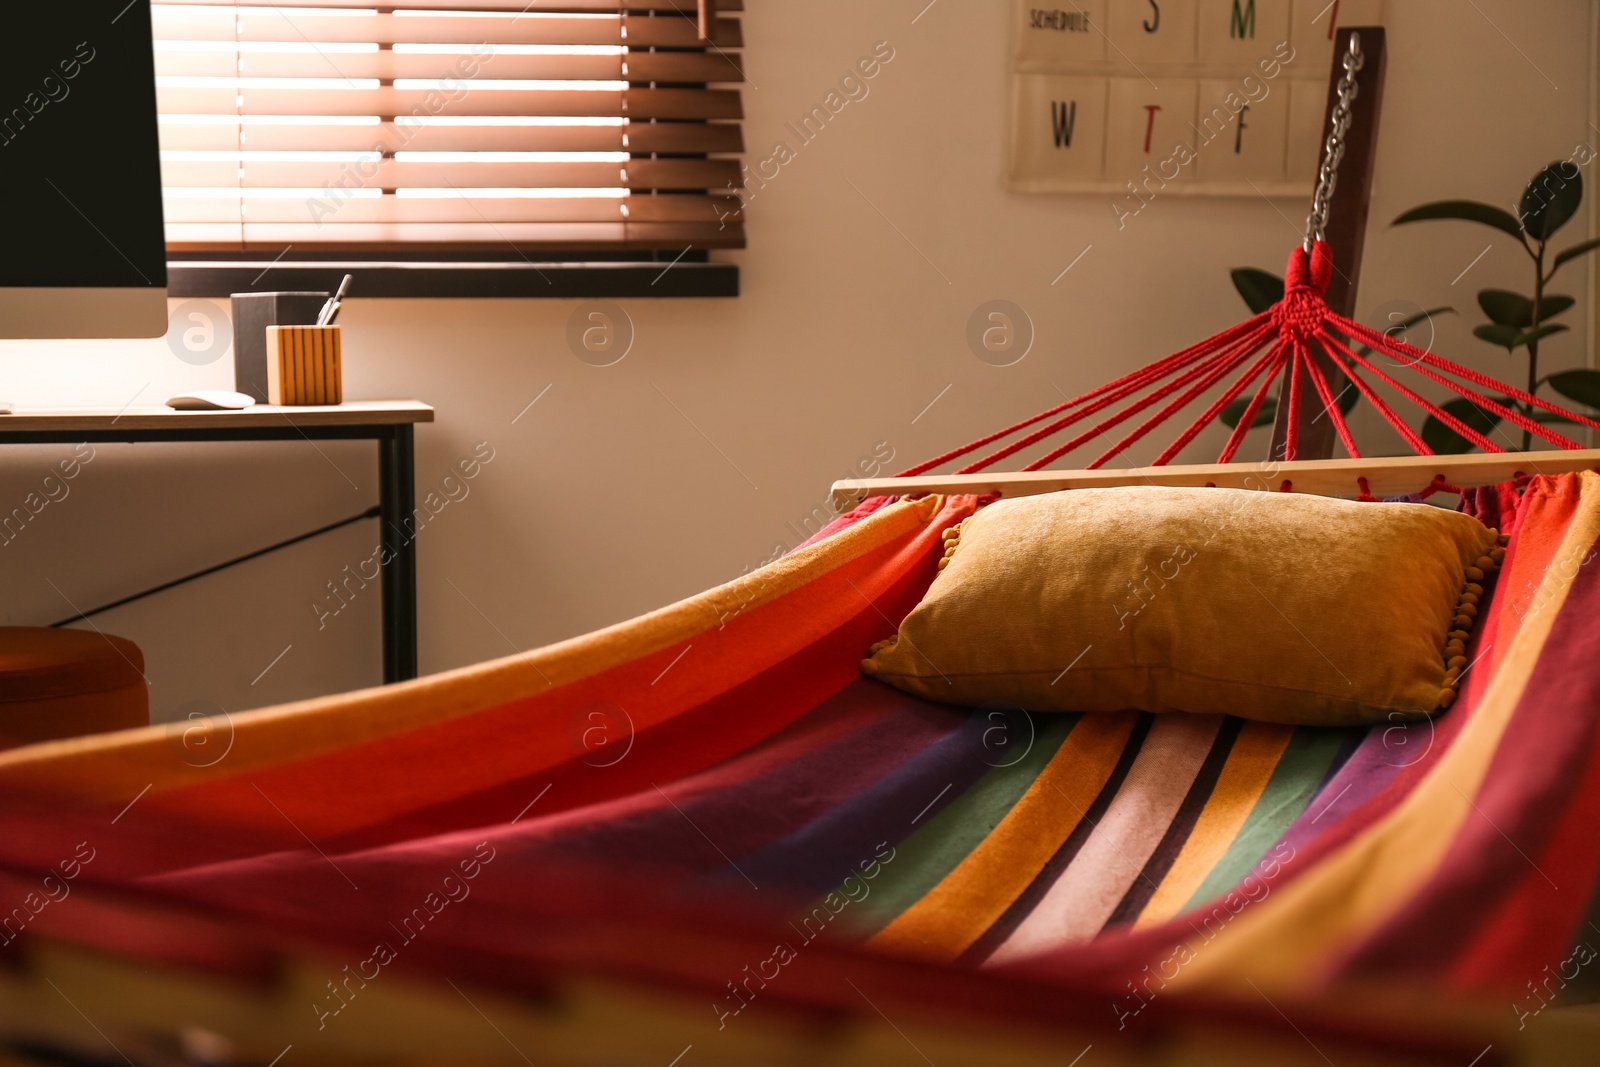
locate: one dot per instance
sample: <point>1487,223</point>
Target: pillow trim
<point>1466,616</point>
<point>952,541</point>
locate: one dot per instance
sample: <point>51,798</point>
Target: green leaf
<point>1259,289</point>
<point>1496,334</point>
<point>1445,441</point>
<point>1580,385</point>
<point>1540,334</point>
<point>1466,211</point>
<point>1506,308</point>
<point>1553,305</point>
<point>1551,198</point>
<point>1581,249</point>
<point>1235,411</point>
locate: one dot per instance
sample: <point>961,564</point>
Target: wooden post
<point>1346,234</point>
<point>708,19</point>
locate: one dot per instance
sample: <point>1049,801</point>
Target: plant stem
<point>1533,346</point>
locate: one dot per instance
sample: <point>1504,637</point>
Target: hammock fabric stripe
<point>745,771</point>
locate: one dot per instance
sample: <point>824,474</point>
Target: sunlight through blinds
<point>478,126</point>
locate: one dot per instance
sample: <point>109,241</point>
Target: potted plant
<point>1517,320</point>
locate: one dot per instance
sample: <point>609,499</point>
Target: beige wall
<point>629,486</point>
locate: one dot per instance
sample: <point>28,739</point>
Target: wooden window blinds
<point>494,127</point>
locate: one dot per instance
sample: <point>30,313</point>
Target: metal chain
<point>1333,151</point>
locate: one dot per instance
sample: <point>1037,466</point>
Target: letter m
<point>1243,22</point>
<point>1064,117</point>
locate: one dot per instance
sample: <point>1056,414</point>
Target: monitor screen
<point>80,168</point>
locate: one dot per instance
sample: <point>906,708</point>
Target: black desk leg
<point>396,501</point>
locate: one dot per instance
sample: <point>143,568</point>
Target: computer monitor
<point>82,253</point>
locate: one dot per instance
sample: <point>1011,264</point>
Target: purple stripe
<point>686,833</point>
<point>1377,759</point>
<point>817,856</point>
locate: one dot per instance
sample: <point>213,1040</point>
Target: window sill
<point>400,279</point>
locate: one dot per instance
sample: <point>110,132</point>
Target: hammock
<point>665,800</point>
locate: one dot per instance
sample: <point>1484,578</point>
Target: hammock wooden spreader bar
<point>1385,476</point>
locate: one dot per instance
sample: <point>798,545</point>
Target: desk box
<point>252,314</point>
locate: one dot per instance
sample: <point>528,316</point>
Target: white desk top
<point>350,413</point>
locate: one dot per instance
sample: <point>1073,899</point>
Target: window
<point>428,134</point>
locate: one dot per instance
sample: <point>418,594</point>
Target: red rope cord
<point>1143,376</point>
<point>1490,404</point>
<point>1265,360</point>
<point>1366,490</point>
<point>1203,360</point>
<point>1126,413</point>
<point>1437,412</point>
<point>1278,353</point>
<point>1438,485</point>
<point>1403,350</point>
<point>1413,442</point>
<point>1291,437</point>
<point>1062,423</point>
<point>1330,403</point>
<point>1200,366</point>
<point>1222,369</point>
<point>1249,344</point>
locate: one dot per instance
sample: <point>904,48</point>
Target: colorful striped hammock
<point>709,802</point>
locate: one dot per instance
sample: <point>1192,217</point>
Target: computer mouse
<point>211,400</point>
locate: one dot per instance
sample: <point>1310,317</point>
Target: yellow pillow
<point>1282,607</point>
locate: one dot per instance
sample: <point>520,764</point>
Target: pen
<point>331,308</point>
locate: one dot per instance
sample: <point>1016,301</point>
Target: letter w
<point>1064,116</point>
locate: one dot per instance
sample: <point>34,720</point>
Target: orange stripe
<point>754,624</point>
<point>972,897</point>
<point>1248,768</point>
<point>1528,580</point>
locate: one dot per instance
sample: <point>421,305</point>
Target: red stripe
<point>1539,921</point>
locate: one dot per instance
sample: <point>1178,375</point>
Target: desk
<point>388,422</point>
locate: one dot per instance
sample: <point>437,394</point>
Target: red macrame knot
<point>1309,272</point>
<point>1300,315</point>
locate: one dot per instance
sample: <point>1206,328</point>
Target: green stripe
<point>936,848</point>
<point>1300,770</point>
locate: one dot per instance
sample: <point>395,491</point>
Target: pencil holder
<point>252,314</point>
<point>303,365</point>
